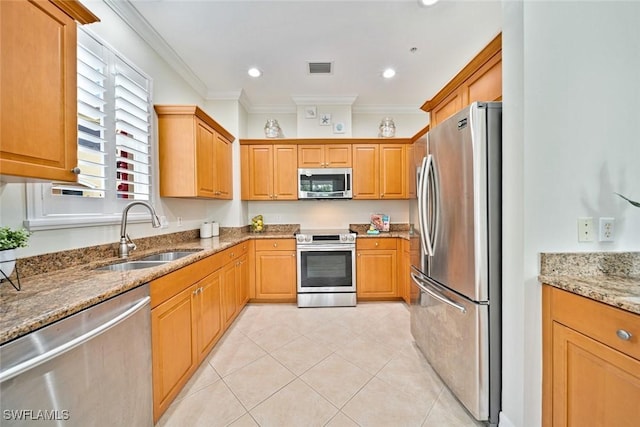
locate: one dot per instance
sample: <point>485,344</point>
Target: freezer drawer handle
<point>436,295</point>
<point>69,345</point>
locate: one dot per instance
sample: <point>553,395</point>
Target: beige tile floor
<point>282,366</point>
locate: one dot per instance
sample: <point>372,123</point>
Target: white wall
<point>570,106</point>
<point>366,125</point>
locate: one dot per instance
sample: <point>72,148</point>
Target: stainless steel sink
<point>130,265</point>
<point>167,256</point>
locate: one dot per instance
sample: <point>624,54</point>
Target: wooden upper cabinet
<point>269,172</point>
<point>195,154</point>
<point>379,171</point>
<point>393,171</point>
<point>38,89</point>
<point>479,80</point>
<point>324,156</point>
<point>366,171</point>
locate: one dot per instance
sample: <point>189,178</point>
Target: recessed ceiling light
<point>388,73</point>
<point>254,72</point>
<point>427,2</point>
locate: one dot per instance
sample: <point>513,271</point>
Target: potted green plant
<point>10,240</point>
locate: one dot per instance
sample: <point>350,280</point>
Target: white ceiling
<point>212,43</point>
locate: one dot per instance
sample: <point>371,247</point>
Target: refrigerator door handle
<point>425,236</point>
<point>423,286</point>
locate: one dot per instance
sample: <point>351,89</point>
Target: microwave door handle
<point>437,295</point>
<point>423,199</point>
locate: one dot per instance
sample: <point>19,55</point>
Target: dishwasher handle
<point>71,344</point>
<point>423,286</point>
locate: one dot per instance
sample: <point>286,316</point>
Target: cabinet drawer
<point>376,243</point>
<point>597,320</point>
<point>275,245</point>
<point>234,252</point>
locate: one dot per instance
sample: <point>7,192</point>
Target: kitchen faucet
<point>126,244</point>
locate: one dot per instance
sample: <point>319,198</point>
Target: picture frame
<point>310,112</point>
<point>325,120</point>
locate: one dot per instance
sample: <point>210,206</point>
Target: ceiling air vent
<point>320,67</point>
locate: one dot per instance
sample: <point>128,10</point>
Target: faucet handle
<point>132,246</point>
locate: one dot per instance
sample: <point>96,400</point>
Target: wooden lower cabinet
<point>275,270</point>
<point>376,269</point>
<point>404,268</point>
<point>183,330</point>
<point>190,310</point>
<point>591,377</point>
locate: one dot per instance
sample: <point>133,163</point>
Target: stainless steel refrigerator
<point>456,262</point>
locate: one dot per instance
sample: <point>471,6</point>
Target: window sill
<point>56,222</point>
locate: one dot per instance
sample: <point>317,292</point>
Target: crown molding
<point>130,15</point>
<point>324,100</point>
<point>385,109</point>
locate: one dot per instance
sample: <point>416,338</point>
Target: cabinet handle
<point>623,335</point>
<point>76,170</point>
<point>275,245</point>
<point>376,243</point>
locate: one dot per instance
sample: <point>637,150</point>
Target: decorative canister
<point>387,128</point>
<point>272,129</point>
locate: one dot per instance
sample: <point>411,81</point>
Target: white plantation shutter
<point>132,134</point>
<point>114,142</point>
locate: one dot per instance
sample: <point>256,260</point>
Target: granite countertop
<point>57,293</point>
<point>609,277</point>
<point>54,286</point>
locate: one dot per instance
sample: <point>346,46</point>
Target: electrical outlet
<point>605,229</point>
<point>164,223</point>
<point>179,221</point>
<point>277,219</point>
<point>585,230</point>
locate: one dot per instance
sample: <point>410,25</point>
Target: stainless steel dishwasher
<point>90,369</point>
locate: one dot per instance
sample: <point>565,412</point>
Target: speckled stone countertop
<point>54,286</point>
<point>609,277</point>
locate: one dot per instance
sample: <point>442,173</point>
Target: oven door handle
<point>326,248</point>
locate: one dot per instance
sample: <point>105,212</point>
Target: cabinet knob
<point>275,245</point>
<point>377,243</point>
<point>623,335</point>
<point>76,170</point>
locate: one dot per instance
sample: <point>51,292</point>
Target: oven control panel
<point>318,238</point>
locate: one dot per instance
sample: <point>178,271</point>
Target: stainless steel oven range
<point>326,268</point>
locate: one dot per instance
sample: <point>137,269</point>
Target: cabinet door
<point>310,156</point>
<point>258,172</point>
<point>242,282</point>
<point>404,269</point>
<point>593,384</point>
<point>229,298</point>
<point>393,171</point>
<point>209,309</point>
<point>448,107</point>
<point>376,274</point>
<point>276,275</point>
<point>223,169</point>
<point>485,84</point>
<point>173,341</point>
<point>285,172</point>
<point>205,154</point>
<point>366,171</point>
<point>337,156</point>
<point>411,173</point>
<point>38,134</point>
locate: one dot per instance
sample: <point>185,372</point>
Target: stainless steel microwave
<point>324,183</point>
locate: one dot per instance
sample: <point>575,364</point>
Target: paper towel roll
<point>215,229</point>
<point>205,230</point>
